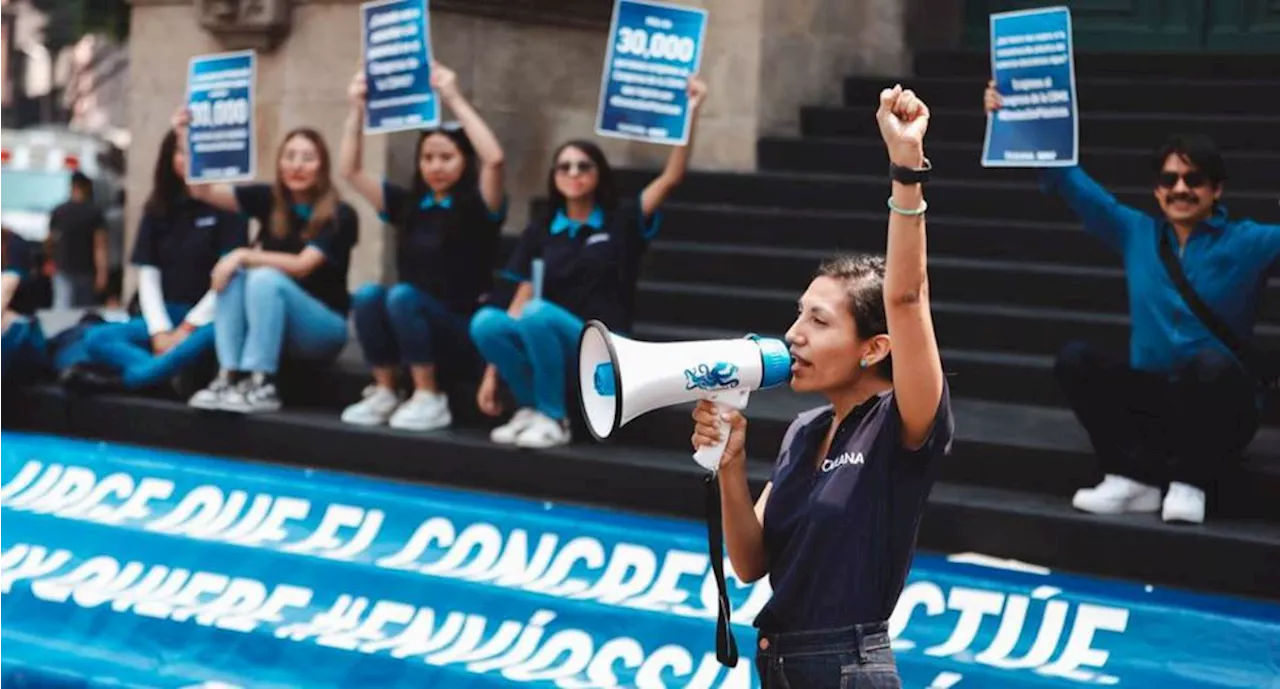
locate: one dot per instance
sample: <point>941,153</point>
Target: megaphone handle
<point>709,455</point>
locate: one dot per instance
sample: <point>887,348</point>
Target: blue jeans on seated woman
<point>402,324</point>
<point>532,353</point>
<point>261,314</point>
<point>127,346</point>
<point>24,350</point>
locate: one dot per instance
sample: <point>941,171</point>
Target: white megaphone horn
<point>620,379</point>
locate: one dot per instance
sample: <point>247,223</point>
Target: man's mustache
<point>1189,198</point>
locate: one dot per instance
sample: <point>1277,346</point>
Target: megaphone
<point>621,379</point>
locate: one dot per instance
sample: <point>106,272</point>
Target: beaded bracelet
<point>924,206</point>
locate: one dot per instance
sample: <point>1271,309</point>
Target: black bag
<point>1263,366</point>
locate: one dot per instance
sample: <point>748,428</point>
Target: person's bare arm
<point>917,365</point>
<point>743,520</point>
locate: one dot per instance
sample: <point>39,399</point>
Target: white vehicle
<point>35,176</point>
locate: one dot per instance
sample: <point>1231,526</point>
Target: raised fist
<point>903,120</point>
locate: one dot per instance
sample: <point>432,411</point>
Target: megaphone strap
<point>726,645</point>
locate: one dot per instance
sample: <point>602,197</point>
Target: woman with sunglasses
<point>447,226</point>
<point>287,294</point>
<point>1181,407</point>
<point>590,242</point>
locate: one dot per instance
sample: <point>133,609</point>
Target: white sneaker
<point>1183,503</point>
<point>252,395</point>
<point>1116,495</point>
<point>425,411</point>
<point>507,432</point>
<point>215,394</point>
<point>378,405</point>
<point>544,432</point>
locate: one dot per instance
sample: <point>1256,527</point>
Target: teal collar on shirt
<point>562,222</point>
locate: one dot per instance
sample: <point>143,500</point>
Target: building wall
<point>536,83</point>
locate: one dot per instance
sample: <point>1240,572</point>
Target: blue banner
<point>397,66</point>
<point>122,566</point>
<point>653,50</point>
<point>1033,66</point>
<point>220,138</point>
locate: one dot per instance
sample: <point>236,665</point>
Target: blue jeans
<point>855,657</point>
<point>532,353</point>
<point>72,290</point>
<point>403,324</point>
<point>261,311</point>
<point>127,346</point>
<point>23,348</point>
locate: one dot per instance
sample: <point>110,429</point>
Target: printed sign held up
<point>1034,71</point>
<point>654,49</point>
<point>220,138</point>
<point>397,66</point>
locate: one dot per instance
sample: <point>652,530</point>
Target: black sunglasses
<point>1193,179</point>
<point>583,166</point>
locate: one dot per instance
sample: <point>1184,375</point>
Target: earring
<point>863,363</point>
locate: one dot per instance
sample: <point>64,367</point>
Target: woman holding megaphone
<point>835,527</point>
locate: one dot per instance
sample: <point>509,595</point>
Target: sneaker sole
<point>424,427</point>
<point>207,406</point>
<point>364,422</point>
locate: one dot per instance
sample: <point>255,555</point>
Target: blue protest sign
<point>397,66</point>
<point>1034,71</point>
<point>653,50</point>
<point>220,139</point>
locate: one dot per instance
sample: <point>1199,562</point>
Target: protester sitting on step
<point>835,526</point>
<point>1181,408</point>
<point>23,351</point>
<point>180,240</point>
<point>590,242</point>
<point>447,226</point>
<point>288,292</point>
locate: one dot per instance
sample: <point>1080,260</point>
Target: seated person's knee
<point>1211,366</point>
<point>402,297</point>
<point>265,278</point>
<point>487,322</point>
<point>368,295</point>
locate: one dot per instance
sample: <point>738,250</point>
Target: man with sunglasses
<point>1181,407</point>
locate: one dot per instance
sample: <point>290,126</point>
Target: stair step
<point>1000,201</point>
<point>1230,132</point>
<point>864,230</point>
<point>1023,283</point>
<point>1112,167</point>
<point>988,327</point>
<point>1148,95</point>
<point>1193,68</point>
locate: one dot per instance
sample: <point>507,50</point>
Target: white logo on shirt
<point>597,238</point>
<point>846,458</point>
<point>206,221</point>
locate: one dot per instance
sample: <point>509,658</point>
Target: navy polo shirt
<point>590,268</point>
<point>840,531</point>
<point>185,243</point>
<point>445,247</point>
<point>1225,259</point>
<point>328,282</point>
<point>17,261</point>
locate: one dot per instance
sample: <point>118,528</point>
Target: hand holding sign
<point>445,82</point>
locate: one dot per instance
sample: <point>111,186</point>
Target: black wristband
<point>907,175</point>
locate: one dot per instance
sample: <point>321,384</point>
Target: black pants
<point>1187,427</point>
